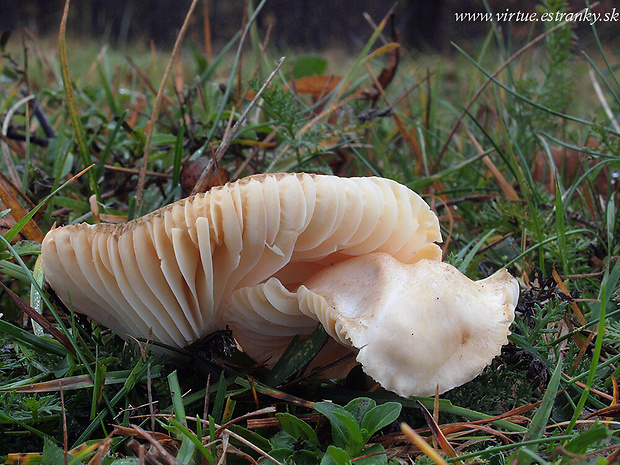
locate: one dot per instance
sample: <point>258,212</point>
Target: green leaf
<point>308,65</point>
<point>53,455</point>
<point>359,407</point>
<point>379,417</point>
<point>346,432</point>
<point>299,457</point>
<point>297,428</point>
<point>335,456</point>
<point>296,356</point>
<point>340,433</point>
<point>590,437</point>
<point>305,457</point>
<point>356,438</point>
<point>283,441</point>
<point>379,459</point>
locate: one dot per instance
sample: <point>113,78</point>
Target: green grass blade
<point>220,396</point>
<point>190,436</point>
<point>233,73</point>
<point>594,364</point>
<point>36,298</point>
<point>541,418</point>
<point>98,384</point>
<point>560,227</point>
<point>72,105</point>
<point>178,157</point>
<point>5,418</point>
<point>531,102</point>
<point>188,447</point>
<point>112,139</point>
<point>473,247</point>
<point>138,373</point>
<point>41,343</point>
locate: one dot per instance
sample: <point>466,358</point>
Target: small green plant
<point>352,427</point>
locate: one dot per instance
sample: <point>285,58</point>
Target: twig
<point>122,169</point>
<point>157,104</point>
<point>202,181</point>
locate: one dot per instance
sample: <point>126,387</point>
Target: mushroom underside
<point>415,327</point>
<point>169,274</point>
<point>273,255</point>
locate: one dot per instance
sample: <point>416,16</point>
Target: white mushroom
<point>270,256</point>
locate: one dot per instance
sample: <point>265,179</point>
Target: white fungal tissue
<point>273,254</point>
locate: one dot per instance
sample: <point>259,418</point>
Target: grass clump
<point>522,173</point>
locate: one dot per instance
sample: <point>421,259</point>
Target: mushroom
<point>270,256</point>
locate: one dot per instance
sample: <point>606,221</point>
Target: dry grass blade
<point>514,415</point>
<point>427,450</point>
<point>207,30</point>
<point>65,435</point>
<point>611,411</point>
<point>388,73</point>
<point>102,450</point>
<point>8,198</point>
<point>573,305</point>
<point>504,185</point>
<point>74,382</point>
<point>38,318</point>
<point>487,429</point>
<point>262,411</point>
<point>157,104</point>
<point>437,433</point>
<point>126,431</point>
<point>411,139</point>
<point>252,154</point>
<point>603,100</point>
<point>251,445</point>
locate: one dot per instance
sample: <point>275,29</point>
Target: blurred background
<point>306,24</point>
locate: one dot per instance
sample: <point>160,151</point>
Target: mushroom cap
<point>416,326</point>
<point>174,271</point>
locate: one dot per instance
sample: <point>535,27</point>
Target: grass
<point>480,134</point>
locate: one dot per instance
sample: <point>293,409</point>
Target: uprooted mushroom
<point>271,255</point>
